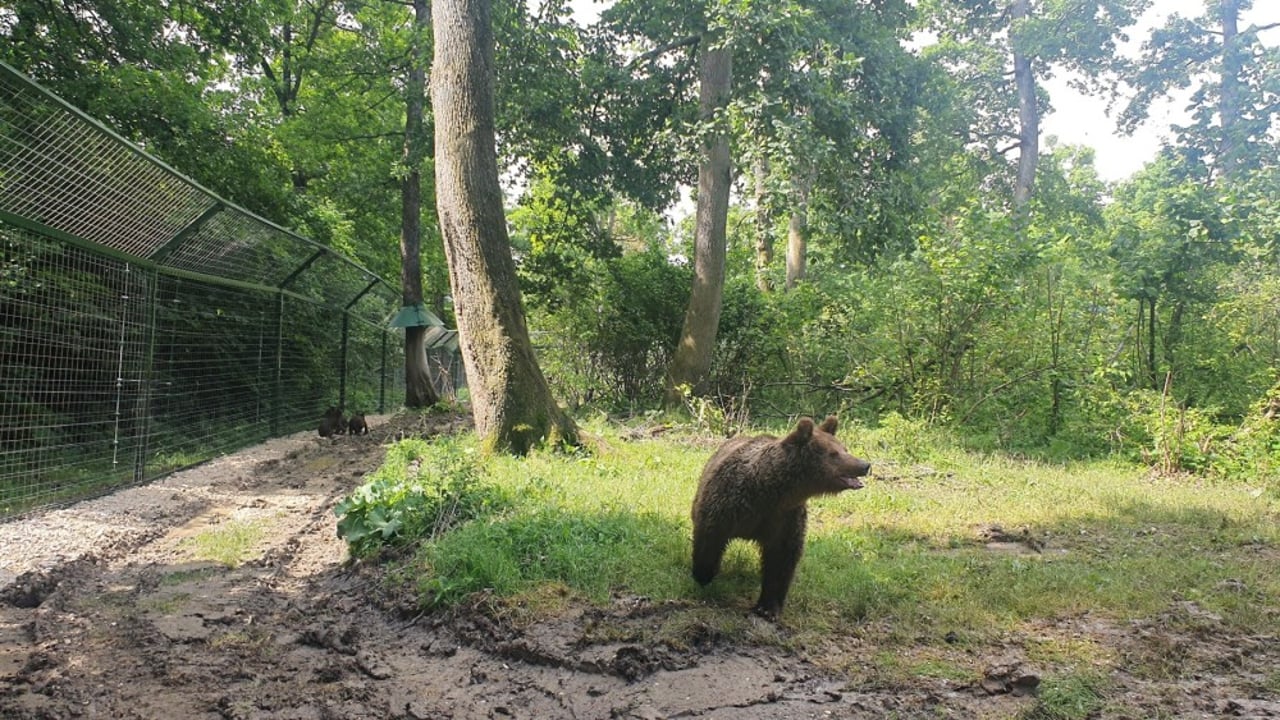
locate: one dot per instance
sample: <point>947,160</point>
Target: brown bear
<point>756,488</point>
<point>358,425</point>
<point>331,423</point>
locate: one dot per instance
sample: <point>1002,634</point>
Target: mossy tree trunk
<point>512,404</point>
<point>692,358</point>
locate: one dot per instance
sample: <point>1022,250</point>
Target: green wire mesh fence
<point>146,324</point>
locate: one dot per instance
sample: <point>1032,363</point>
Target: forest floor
<point>110,608</point>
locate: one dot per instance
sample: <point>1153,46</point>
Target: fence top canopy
<point>66,175</point>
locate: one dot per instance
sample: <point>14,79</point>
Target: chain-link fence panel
<point>72,381</point>
<point>147,324</point>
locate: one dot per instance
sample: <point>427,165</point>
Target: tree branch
<point>1005,134</point>
<point>664,49</point>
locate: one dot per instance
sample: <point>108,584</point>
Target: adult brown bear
<point>756,488</point>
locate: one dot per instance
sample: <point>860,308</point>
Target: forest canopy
<point>902,241</point>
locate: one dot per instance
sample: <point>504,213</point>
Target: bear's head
<point>829,466</point>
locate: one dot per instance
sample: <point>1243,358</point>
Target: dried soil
<point>105,613</point>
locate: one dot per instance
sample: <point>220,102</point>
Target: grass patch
<point>591,554</point>
<point>902,563</point>
<point>243,641</point>
<point>1070,697</point>
<point>229,543</point>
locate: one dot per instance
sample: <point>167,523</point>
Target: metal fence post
<point>148,378</point>
<point>277,393</point>
<point>342,360</point>
<point>382,377</point>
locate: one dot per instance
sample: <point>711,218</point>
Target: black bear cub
<point>756,488</point>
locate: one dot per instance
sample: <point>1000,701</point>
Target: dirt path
<point>106,612</point>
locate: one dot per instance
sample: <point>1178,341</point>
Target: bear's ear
<point>802,433</point>
<point>829,425</point>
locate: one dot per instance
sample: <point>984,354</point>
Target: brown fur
<point>357,425</point>
<point>756,488</point>
<point>331,423</point>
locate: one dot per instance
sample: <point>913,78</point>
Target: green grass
<point>899,564</point>
<point>1070,697</point>
<point>229,543</point>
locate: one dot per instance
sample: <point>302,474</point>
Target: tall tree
<point>1233,74</point>
<point>829,100</point>
<point>701,34</point>
<point>763,223</point>
<point>1024,80</point>
<point>798,228</point>
<point>511,402</point>
<point>417,379</point>
<point>693,353</point>
<point>1011,47</point>
<point>289,57</point>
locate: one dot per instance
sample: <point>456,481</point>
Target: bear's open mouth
<point>851,483</point>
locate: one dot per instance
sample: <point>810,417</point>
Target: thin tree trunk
<point>764,225</point>
<point>798,230</point>
<point>1151,343</point>
<point>1028,118</point>
<point>512,404</point>
<point>692,358</point>
<point>418,391</point>
<point>1229,96</point>
<point>1055,353</point>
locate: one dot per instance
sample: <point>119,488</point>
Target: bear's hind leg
<point>779,556</point>
<point>708,550</point>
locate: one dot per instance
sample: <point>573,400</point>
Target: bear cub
<point>358,425</point>
<point>331,423</point>
<point>756,488</point>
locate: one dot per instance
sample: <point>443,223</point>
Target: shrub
<point>422,490</point>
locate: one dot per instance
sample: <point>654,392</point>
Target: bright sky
<point>1081,120</point>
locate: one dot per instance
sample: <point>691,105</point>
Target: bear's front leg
<point>779,555</point>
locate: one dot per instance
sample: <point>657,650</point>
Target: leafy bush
<point>422,490</point>
<point>1154,430</point>
<point>614,345</point>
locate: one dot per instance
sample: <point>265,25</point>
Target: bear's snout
<point>860,468</point>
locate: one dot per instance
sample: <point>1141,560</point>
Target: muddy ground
<point>105,613</point>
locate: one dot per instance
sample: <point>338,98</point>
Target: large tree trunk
<point>692,358</point>
<point>1028,117</point>
<point>418,391</point>
<point>513,407</point>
